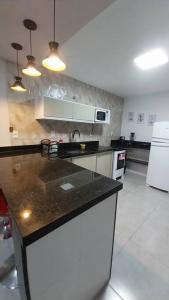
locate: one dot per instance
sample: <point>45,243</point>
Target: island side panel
<point>74,261</point>
<point>20,261</point>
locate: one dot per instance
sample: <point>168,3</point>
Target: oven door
<point>120,160</point>
<point>118,164</point>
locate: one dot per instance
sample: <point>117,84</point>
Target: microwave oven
<point>102,115</point>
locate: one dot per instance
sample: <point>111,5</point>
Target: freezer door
<point>161,130</point>
<point>158,168</point>
<point>160,143</point>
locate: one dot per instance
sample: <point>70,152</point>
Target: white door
<point>158,168</point>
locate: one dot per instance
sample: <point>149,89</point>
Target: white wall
<point>153,104</point>
<point>4,114</point>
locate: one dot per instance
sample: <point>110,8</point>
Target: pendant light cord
<point>54,19</point>
<point>30,42</point>
<point>17,62</point>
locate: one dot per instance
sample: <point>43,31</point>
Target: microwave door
<point>100,116</point>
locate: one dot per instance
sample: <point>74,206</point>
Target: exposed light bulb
<point>53,62</point>
<point>18,85</point>
<point>30,69</point>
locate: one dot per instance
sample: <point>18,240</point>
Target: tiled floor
<point>6,249</point>
<point>141,254</point>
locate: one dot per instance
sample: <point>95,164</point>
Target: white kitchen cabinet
<point>100,163</point>
<point>104,163</point>
<point>58,109</point>
<point>88,162</point>
<point>53,109</point>
<point>83,112</point>
<point>64,110</point>
<point>74,261</point>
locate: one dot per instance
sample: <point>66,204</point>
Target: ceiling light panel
<point>151,59</point>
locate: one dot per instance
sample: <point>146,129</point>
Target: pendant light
<point>17,85</point>
<point>53,61</point>
<point>30,69</point>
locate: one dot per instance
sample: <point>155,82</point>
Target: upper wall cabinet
<point>58,109</point>
<point>54,109</point>
<point>83,112</point>
<point>49,108</point>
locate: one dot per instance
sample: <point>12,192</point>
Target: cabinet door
<point>83,112</point>
<point>58,109</point>
<point>87,162</point>
<point>104,164</point>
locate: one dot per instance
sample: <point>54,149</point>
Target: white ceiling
<point>102,52</point>
<point>71,16</point>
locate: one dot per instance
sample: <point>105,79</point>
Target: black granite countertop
<point>127,144</point>
<point>65,150</point>
<point>73,153</point>
<point>34,187</point>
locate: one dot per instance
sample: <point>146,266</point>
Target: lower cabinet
<point>100,163</point>
<point>73,261</point>
<point>104,164</point>
<point>87,162</point>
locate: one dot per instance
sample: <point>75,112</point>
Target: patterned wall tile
<point>31,131</point>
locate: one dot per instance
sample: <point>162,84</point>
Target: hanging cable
<point>17,62</point>
<point>54,18</point>
<point>30,42</point>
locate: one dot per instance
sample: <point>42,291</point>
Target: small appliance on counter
<point>132,136</point>
<point>49,147</point>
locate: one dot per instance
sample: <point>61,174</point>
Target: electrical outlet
<point>15,134</point>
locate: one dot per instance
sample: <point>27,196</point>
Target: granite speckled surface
<point>64,152</point>
<point>34,188</point>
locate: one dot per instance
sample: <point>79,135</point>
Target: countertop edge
<point>80,153</point>
<point>15,152</point>
<point>35,236</point>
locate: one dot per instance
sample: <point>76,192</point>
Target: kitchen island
<point>64,221</point>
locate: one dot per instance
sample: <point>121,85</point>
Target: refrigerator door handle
<point>159,138</point>
<point>159,145</point>
<point>160,142</point>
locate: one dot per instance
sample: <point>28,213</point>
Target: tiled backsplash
<point>31,131</point>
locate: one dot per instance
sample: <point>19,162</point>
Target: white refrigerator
<point>158,167</point>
